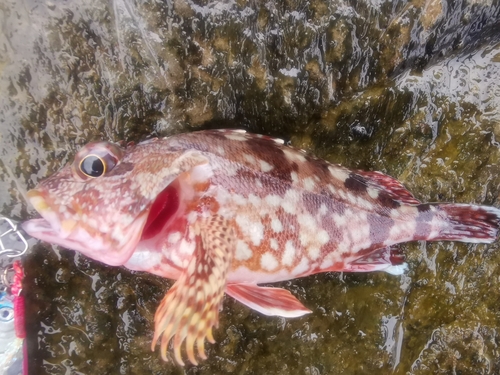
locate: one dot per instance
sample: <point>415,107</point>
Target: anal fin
<point>190,308</point>
<point>268,301</point>
<point>388,259</point>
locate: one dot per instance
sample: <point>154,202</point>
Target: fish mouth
<point>50,222</point>
<point>111,248</point>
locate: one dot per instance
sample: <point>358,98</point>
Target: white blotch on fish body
<point>187,247</point>
<point>307,222</point>
<point>302,267</point>
<point>309,184</point>
<point>192,217</point>
<point>278,141</point>
<point>294,156</point>
<point>254,200</point>
<point>288,254</point>
<point>408,210</point>
<point>313,252</point>
<point>221,150</point>
<point>339,219</point>
<point>323,237</point>
<point>373,193</point>
<point>402,231</point>
<point>243,252</point>
<point>273,243</point>
<point>174,237</point>
<point>276,225</point>
<point>268,261</point>
<point>273,200</point>
<point>144,260</point>
<point>249,158</point>
<point>338,173</point>
<point>289,202</point>
<point>253,229</point>
<point>235,137</point>
<point>239,199</point>
<point>265,167</point>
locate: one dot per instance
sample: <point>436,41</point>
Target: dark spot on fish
<point>272,153</point>
<point>386,200</point>
<point>326,193</point>
<point>266,182</point>
<point>283,170</point>
<point>355,183</point>
<point>247,174</point>
<point>319,168</point>
<point>423,207</point>
<point>312,202</point>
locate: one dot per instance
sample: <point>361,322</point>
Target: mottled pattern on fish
<point>226,210</point>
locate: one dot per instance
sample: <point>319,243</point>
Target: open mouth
<point>49,228</point>
<point>113,248</point>
<point>49,223</point>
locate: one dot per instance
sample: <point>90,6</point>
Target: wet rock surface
<point>407,88</point>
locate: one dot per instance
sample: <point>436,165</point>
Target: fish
<point>222,211</point>
<point>11,346</point>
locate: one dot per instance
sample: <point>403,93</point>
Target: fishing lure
<point>13,356</point>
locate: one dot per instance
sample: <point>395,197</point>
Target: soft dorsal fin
<point>391,186</point>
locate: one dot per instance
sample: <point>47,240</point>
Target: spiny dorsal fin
<point>390,185</point>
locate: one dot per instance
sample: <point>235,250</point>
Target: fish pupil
<point>92,166</point>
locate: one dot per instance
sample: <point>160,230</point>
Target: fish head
<point>99,204</point>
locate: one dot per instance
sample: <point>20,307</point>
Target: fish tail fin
<point>466,223</point>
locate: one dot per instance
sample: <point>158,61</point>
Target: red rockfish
<point>222,211</point>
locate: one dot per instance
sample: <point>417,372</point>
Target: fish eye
<point>96,160</point>
<point>93,166</point>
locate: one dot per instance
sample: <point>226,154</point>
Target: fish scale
<point>225,210</point>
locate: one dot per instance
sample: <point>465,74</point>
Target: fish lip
<point>69,234</point>
<point>35,226</point>
<point>49,222</point>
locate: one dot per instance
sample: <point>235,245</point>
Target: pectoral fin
<point>191,307</point>
<point>268,301</point>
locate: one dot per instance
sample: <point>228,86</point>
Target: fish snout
<point>52,219</point>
